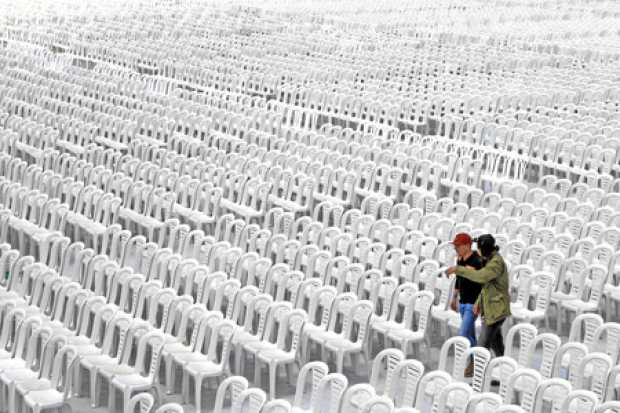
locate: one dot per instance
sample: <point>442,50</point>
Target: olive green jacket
<point>494,298</point>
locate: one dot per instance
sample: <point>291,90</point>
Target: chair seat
<point>18,375</point>
<point>384,326</point>
<point>29,228</point>
<point>579,306</point>
<point>312,329</point>
<point>85,223</point>
<point>276,354</point>
<point>47,398</point>
<point>191,357</point>
<point>243,337</point>
<point>612,291</point>
<point>97,360</point>
<point>26,385</point>
<point>205,368</point>
<point>242,210</point>
<point>328,198</point>
<point>192,215</point>
<point>70,147</point>
<point>442,314</point>
<point>81,341</point>
<point>287,205</point>
<point>86,350</point>
<point>132,380</point>
<point>12,364</point>
<point>140,219</point>
<point>343,345</point>
<point>176,348</point>
<point>322,336</point>
<point>113,370</point>
<point>29,149</point>
<point>525,314</point>
<point>558,296</point>
<point>107,142</point>
<point>257,346</point>
<point>404,334</point>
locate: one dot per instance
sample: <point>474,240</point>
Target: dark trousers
<point>491,337</point>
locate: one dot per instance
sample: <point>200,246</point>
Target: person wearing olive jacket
<point>494,300</point>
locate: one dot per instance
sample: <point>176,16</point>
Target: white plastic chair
<point>383,368</point>
<point>60,385</point>
<point>142,401</point>
<point>592,373</point>
<point>330,393</point>
<point>310,373</point>
<point>249,401</point>
<point>483,403</point>
<point>607,340</point>
<point>378,404</point>
<point>526,333</point>
<point>524,383</point>
<point>551,394</point>
<point>277,406</point>
<point>233,386</point>
<point>613,384</point>
<point>499,368</point>
<point>459,347</point>
<point>405,334</point>
<point>608,407</point>
<point>567,360</point>
<point>141,378</point>
<point>544,283</point>
<point>353,340</point>
<point>170,408</point>
<point>584,327</point>
<point>455,395</point>
<point>591,299</point>
<point>405,381</point>
<point>430,388</point>
<point>214,363</point>
<point>356,396</point>
<point>549,344</point>
<point>508,408</point>
<point>481,357</point>
<point>580,401</point>
<point>281,354</point>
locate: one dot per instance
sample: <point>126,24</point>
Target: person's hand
<point>451,270</point>
<point>453,304</point>
<point>469,267</point>
<point>476,309</point>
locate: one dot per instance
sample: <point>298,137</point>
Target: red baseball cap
<point>462,239</point>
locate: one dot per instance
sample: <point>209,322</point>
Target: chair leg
<point>340,362</point>
<point>290,373</point>
<point>185,387</point>
<point>169,374</point>
<point>257,374</point>
<point>126,398</point>
<point>238,360</point>
<point>111,398</point>
<point>92,390</point>
<point>273,378</point>
<point>197,390</point>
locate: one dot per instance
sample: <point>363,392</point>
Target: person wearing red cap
<point>466,292</point>
<point>494,301</point>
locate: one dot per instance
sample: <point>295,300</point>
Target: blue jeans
<point>468,323</point>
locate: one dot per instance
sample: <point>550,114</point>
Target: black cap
<point>486,244</point>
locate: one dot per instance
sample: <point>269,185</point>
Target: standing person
<point>494,300</point>
<point>466,292</point>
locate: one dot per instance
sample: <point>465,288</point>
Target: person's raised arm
<point>487,273</point>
